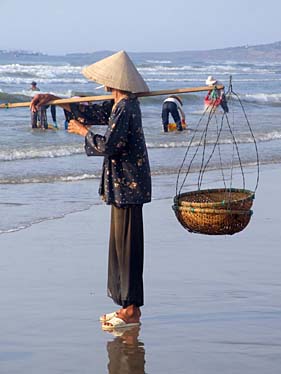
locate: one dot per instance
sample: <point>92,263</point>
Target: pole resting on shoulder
<point>110,97</point>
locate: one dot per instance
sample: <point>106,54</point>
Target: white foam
<point>263,97</point>
<point>47,152</point>
<point>24,80</point>
<point>48,179</point>
<point>159,61</point>
<point>41,70</point>
<point>69,150</point>
<point>20,73</point>
<point>218,69</point>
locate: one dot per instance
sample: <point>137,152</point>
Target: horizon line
<point>34,52</point>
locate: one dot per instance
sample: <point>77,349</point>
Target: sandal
<point>117,323</point>
<point>131,330</point>
<point>107,317</point>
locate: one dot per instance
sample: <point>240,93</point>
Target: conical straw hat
<point>117,71</point>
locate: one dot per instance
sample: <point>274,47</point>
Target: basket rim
<point>211,211</point>
<point>251,196</point>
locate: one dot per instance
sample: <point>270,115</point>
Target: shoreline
<point>90,187</point>
<point>212,303</point>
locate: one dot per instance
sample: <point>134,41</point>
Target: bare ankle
<point>131,311</point>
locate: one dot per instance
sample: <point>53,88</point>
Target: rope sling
<point>217,211</point>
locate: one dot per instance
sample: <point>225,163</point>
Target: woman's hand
<point>75,127</point>
<point>41,99</point>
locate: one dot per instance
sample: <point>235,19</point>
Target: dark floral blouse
<point>126,176</point>
<point>91,114</point>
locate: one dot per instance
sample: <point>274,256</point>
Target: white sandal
<point>131,330</point>
<point>107,317</point>
<point>118,323</point>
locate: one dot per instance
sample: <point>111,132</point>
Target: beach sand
<point>212,304</point>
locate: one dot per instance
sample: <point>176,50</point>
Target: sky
<point>67,26</point>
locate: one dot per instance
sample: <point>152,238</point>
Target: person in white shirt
<point>172,105</point>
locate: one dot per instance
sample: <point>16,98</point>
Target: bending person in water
<point>172,105</point>
<point>38,117</point>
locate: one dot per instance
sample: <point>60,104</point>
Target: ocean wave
<point>47,178</point>
<point>159,61</point>
<point>264,98</point>
<point>170,79</point>
<point>267,137</point>
<point>40,70</point>
<point>43,152</point>
<point>258,98</point>
<point>150,77</point>
<point>177,78</point>
<point>162,71</point>
<point>240,139</point>
<point>30,93</point>
<point>70,150</point>
<point>56,80</point>
<point>156,171</point>
<point>218,69</point>
<point>64,73</point>
<point>23,74</point>
<point>6,97</point>
<point>158,100</point>
<point>25,95</point>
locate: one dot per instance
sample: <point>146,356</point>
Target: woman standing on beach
<point>125,183</point>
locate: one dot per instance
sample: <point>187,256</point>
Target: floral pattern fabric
<point>126,176</point>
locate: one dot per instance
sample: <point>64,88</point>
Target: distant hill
<point>262,52</point>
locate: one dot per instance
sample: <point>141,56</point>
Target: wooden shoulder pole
<point>110,97</point>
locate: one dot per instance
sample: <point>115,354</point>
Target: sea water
<point>45,174</point>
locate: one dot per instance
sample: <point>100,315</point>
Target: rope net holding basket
<point>216,211</point>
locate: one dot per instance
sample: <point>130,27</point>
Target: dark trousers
<point>54,113</point>
<point>170,107</point>
<point>125,260</point>
<point>224,104</point>
<point>41,116</point>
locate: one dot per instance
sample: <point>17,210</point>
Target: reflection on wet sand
<point>126,352</point>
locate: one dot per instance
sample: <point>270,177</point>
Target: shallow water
<point>212,303</point>
<point>38,166</point>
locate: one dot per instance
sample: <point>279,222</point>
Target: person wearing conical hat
<point>125,182</point>
<point>117,72</point>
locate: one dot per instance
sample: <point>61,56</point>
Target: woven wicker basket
<point>214,212</point>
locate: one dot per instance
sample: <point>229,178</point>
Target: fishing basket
<point>215,211</point>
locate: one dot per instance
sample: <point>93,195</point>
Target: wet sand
<point>212,303</point>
